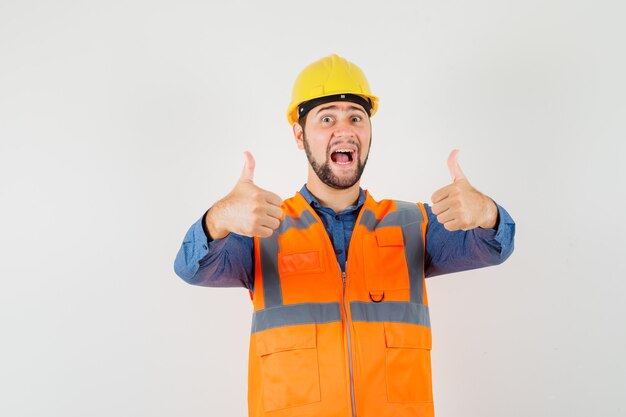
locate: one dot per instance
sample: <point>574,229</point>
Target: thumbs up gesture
<point>459,206</point>
<point>247,210</point>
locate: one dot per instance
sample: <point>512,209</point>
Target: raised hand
<point>459,206</point>
<point>247,210</point>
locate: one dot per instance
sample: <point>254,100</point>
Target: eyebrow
<point>333,107</point>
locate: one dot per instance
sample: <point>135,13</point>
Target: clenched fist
<point>459,206</point>
<point>247,210</point>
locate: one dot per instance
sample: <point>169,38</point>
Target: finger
<point>271,223</point>
<point>452,225</point>
<point>454,167</point>
<point>440,207</point>
<point>275,212</point>
<point>445,217</point>
<point>263,231</point>
<point>248,168</point>
<point>273,199</point>
<point>440,194</point>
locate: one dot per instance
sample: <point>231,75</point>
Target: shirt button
<point>338,251</point>
<point>337,217</point>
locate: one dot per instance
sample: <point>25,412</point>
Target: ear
<point>298,135</point>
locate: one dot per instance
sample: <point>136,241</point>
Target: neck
<point>333,198</point>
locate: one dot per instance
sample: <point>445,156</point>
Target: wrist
<point>212,226</point>
<point>491,214</point>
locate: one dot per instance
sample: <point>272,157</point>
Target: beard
<point>325,173</point>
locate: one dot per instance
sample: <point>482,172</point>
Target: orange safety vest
<point>331,344</point>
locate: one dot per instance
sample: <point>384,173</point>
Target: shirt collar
<point>313,202</point>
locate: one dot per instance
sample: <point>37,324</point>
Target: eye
<point>356,118</point>
<point>327,119</point>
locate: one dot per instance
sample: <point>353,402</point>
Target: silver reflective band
<point>391,311</point>
<point>303,222</point>
<point>272,290</point>
<point>289,315</point>
<point>269,256</point>
<point>411,219</point>
<point>368,220</point>
<point>406,213</point>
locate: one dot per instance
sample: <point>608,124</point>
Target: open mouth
<point>342,156</point>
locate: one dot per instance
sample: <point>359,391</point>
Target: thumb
<point>248,168</point>
<point>453,166</point>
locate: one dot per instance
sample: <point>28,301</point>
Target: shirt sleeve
<point>226,262</point>
<point>448,252</point>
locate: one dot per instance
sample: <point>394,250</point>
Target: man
<point>340,324</point>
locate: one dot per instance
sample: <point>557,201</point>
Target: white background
<point>121,122</point>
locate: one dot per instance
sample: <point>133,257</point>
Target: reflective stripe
<point>412,219</point>
<point>303,222</point>
<point>414,251</point>
<point>406,213</point>
<point>289,315</point>
<point>392,311</point>
<point>272,291</point>
<point>368,220</point>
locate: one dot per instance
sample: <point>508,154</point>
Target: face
<point>336,140</point>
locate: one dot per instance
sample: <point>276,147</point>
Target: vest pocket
<point>408,375</point>
<point>302,262</point>
<point>385,260</point>
<point>289,366</point>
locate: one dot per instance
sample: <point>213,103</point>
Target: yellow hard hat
<point>329,77</point>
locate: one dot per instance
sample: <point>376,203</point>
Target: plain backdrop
<point>121,122</point>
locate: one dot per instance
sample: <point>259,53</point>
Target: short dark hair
<point>302,121</point>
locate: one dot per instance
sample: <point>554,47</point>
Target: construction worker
<point>341,324</point>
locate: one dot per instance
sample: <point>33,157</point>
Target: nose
<point>344,129</point>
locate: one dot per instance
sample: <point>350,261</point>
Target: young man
<point>341,324</point>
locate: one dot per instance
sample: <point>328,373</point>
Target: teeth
<point>344,151</point>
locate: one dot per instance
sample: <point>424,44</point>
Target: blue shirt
<point>229,262</point>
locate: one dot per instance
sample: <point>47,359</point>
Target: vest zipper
<point>343,302</point>
<point>345,312</point>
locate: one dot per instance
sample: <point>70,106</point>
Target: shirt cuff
<point>505,223</point>
<point>199,239</point>
<point>204,229</point>
<point>500,232</point>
